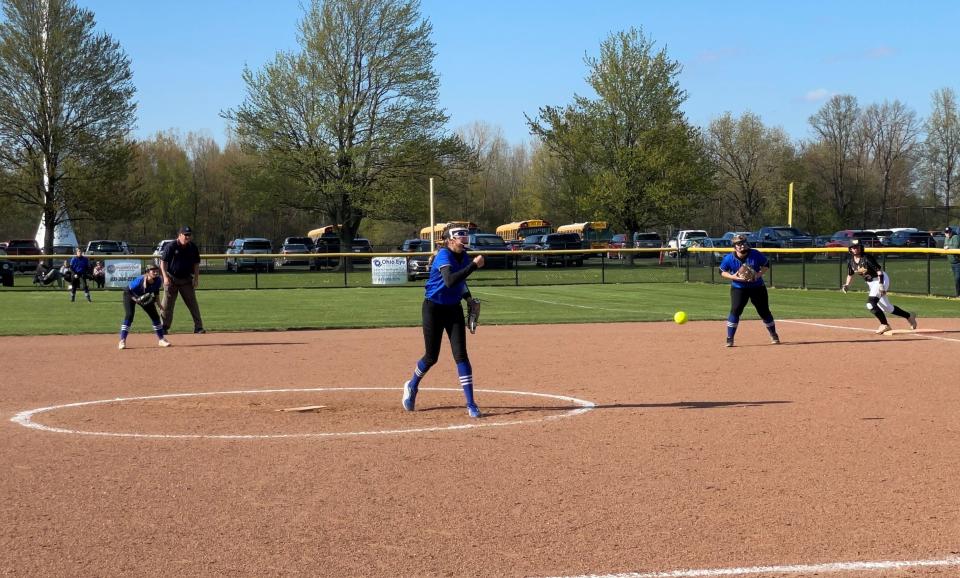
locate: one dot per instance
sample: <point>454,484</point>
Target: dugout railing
<point>917,271</point>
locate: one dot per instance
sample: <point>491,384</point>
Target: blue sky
<point>498,60</point>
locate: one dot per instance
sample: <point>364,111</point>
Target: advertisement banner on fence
<point>120,272</point>
<point>389,270</point>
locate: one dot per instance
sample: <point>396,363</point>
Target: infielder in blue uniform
<point>442,311</point>
<point>142,291</point>
<point>745,267</point>
<point>878,283</point>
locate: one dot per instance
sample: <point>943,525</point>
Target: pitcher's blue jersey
<point>755,259</point>
<point>435,290</point>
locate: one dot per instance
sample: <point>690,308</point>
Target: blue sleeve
<point>726,264</point>
<point>442,259</point>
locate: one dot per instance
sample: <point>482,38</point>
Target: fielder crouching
<point>142,291</point>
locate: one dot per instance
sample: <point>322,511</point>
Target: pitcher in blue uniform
<point>442,312</point>
<point>743,290</point>
<point>142,291</point>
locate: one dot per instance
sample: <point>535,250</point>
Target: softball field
<point>634,449</point>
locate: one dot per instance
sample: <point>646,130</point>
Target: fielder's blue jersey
<point>79,264</point>
<point>435,289</point>
<point>755,259</point>
<point>137,288</point>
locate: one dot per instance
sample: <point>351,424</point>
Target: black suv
<point>418,266</point>
<point>331,244</point>
<point>482,242</point>
<point>561,241</point>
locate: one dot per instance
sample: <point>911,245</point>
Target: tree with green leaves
<point>941,149</point>
<point>352,119</point>
<point>750,159</point>
<point>643,164</point>
<point>66,110</point>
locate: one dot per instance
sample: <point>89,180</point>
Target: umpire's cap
<point>186,230</point>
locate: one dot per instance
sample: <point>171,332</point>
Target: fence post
<point>803,270</point>
<point>603,268</point>
<point>256,272</point>
<point>516,272</point>
<point>929,287</point>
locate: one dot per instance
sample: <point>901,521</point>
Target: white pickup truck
<point>685,238</point>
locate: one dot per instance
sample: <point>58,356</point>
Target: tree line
<point>347,130</point>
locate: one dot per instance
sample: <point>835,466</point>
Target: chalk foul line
<point>805,569</point>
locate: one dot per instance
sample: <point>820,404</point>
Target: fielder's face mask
<point>459,233</point>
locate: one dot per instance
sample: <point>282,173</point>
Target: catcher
<point>878,283</point>
<point>745,267</point>
<point>442,312</point>
<point>143,291</point>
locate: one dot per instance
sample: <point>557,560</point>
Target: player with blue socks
<point>442,312</point>
<point>745,267</point>
<point>142,291</point>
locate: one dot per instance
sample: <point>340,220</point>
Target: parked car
<point>911,239</point>
<point>22,247</point>
<point>514,244</point>
<point>294,255</point>
<point>783,237</point>
<point>249,248</point>
<point>938,238</point>
<point>649,240</point>
<point>331,244</point>
<point>418,266</point>
<point>483,242</point>
<point>882,234</point>
<point>532,243</point>
<point>106,247</point>
<point>6,270</point>
<point>684,238</point>
<point>63,250</point>
<point>712,243</point>
<point>843,238</point>
<point>160,248</point>
<point>619,241</point>
<point>729,235</point>
<point>305,241</point>
<point>560,242</point>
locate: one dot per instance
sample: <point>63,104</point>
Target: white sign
<point>120,272</point>
<point>389,270</point>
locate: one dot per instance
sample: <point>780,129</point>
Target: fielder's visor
<point>458,232</point>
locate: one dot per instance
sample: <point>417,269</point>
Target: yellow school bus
<point>519,230</point>
<point>595,234</point>
<point>436,232</point>
<point>325,231</point>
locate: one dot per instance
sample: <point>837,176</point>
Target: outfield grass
<point>51,312</point>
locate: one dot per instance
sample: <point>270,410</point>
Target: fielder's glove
<point>746,272</point>
<point>146,299</point>
<point>473,314</point>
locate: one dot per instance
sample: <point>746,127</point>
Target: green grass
<point>51,312</point>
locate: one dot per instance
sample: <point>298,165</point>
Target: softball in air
<point>680,317</point>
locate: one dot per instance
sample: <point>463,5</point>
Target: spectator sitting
<point>46,276</point>
<point>65,273</point>
<point>99,275</point>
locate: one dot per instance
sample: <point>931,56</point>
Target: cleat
<point>473,411</point>
<point>164,343</point>
<point>729,342</point>
<point>775,339</point>
<point>122,345</point>
<point>199,330</point>
<point>409,396</point>
<point>912,320</point>
<point>883,329</point>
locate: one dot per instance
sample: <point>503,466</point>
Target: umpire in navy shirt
<point>180,266</point>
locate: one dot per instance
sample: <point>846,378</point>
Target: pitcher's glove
<point>746,272</point>
<point>473,314</point>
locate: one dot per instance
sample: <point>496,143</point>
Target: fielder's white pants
<point>874,287</point>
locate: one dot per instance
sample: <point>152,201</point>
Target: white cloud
<point>817,95</point>
<point>879,52</point>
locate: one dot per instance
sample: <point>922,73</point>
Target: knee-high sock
<point>732,322</point>
<point>901,312</point>
<point>418,374</point>
<point>771,325</point>
<point>873,304</point>
<point>158,329</point>
<point>466,380</point>
<point>125,328</point>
